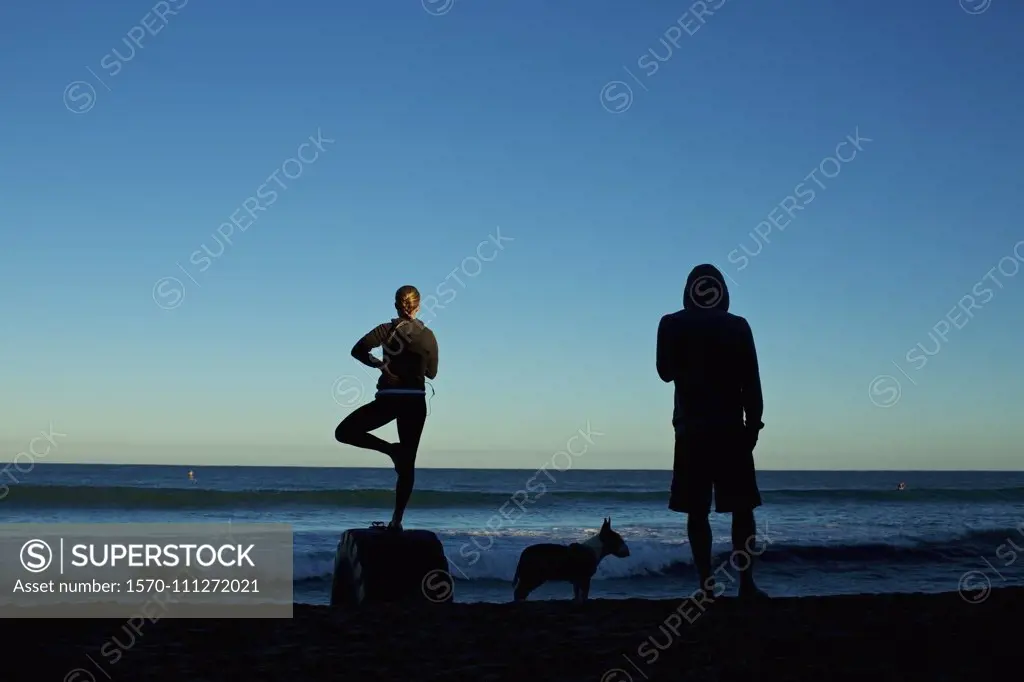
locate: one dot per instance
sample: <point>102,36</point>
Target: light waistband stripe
<point>402,391</point>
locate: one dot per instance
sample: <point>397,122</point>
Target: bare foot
<point>394,452</point>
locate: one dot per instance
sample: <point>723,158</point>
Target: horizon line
<point>420,468</point>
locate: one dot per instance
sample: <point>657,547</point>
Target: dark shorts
<point>721,461</point>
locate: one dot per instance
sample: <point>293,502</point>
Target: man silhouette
<point>710,355</point>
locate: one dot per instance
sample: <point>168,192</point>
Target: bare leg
<point>699,530</point>
<point>744,540</point>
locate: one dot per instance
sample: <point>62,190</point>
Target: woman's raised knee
<point>341,433</point>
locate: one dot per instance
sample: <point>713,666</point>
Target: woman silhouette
<point>409,359</point>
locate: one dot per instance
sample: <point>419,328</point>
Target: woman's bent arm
<point>375,338</point>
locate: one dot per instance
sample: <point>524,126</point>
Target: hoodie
<point>410,353</point>
<point>709,354</point>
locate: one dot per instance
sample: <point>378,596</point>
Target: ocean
<point>822,532</point>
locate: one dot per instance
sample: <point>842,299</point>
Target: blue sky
<point>443,129</point>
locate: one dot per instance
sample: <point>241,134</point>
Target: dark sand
<point>864,638</point>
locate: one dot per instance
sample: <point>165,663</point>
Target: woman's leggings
<point>410,411</point>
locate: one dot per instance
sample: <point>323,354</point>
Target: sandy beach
<point>897,637</point>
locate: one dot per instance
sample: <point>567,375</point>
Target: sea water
<point>820,532</point>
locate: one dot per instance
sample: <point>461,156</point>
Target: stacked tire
<point>377,565</point>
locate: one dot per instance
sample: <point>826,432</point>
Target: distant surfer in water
<point>901,486</point>
<point>409,359</point>
<point>191,476</point>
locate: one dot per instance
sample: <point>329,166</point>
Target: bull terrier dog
<point>575,563</point>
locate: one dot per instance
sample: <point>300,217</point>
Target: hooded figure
<point>706,290</point>
<point>709,354</point>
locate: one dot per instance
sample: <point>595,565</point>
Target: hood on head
<point>706,289</point>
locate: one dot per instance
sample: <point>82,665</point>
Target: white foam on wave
<point>498,562</point>
<point>313,564</point>
<point>479,555</point>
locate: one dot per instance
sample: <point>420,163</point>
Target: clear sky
<point>435,128</point>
